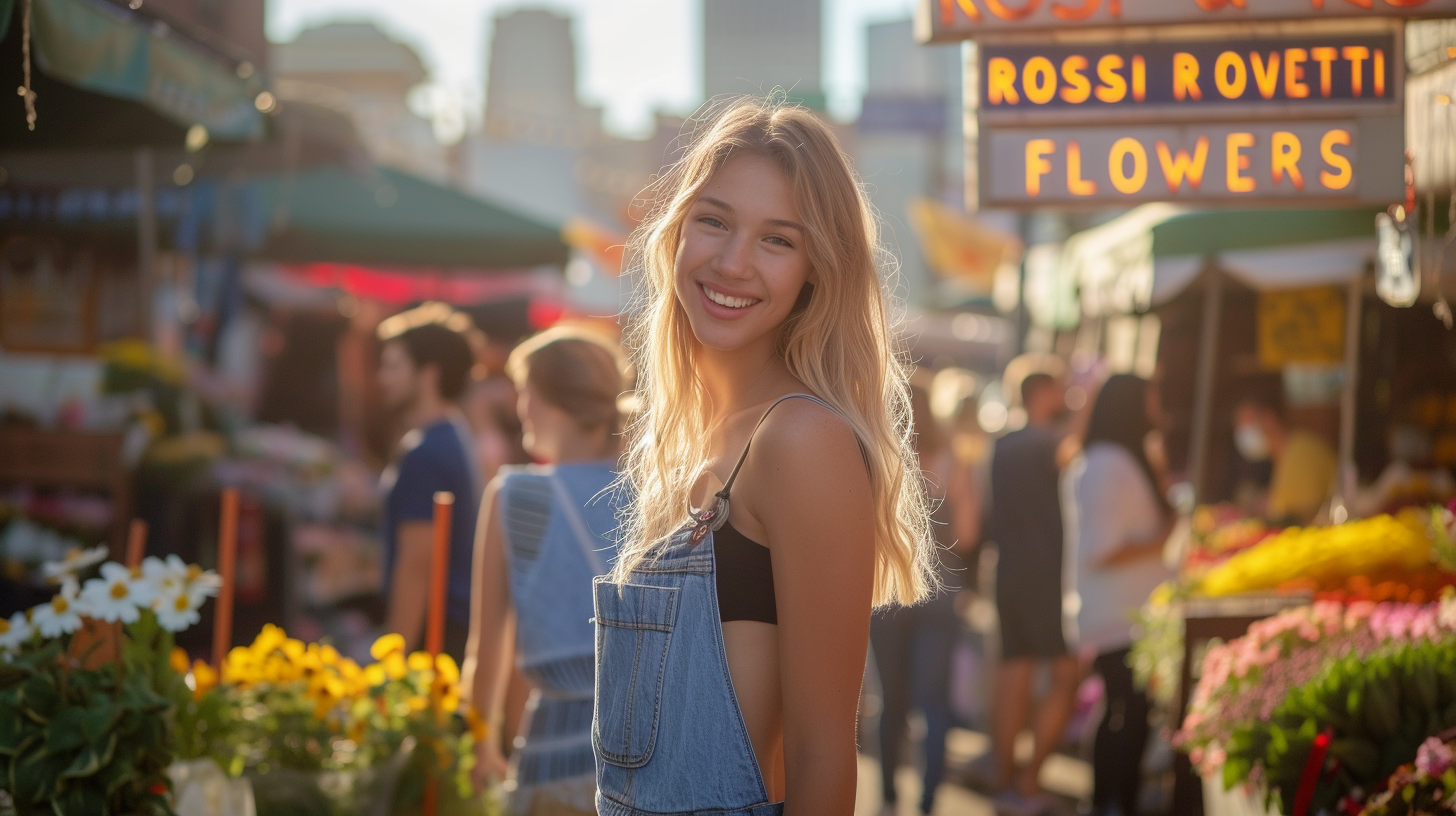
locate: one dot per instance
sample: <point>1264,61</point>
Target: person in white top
<point>1117,523</point>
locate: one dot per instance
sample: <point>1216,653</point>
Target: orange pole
<point>136,543</point>
<point>439,567</point>
<point>435,623</point>
<point>227,558</point>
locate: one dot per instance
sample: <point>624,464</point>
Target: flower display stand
<point>1241,800</point>
<point>200,788</point>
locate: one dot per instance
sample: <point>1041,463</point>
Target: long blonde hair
<point>838,343</point>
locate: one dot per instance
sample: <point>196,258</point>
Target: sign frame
<point>1193,37</point>
<point>1043,16</point>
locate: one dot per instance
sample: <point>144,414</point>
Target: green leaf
<point>39,698</point>
<point>91,759</point>
<point>79,800</point>
<point>64,732</point>
<point>1362,756</point>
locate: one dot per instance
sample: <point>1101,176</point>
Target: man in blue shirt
<point>423,369</point>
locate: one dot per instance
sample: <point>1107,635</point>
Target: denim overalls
<point>668,733</point>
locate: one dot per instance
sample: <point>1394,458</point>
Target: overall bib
<point>668,733</point>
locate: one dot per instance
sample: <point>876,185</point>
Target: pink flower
<point>1434,757</point>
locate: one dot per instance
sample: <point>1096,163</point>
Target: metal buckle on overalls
<point>709,520</point>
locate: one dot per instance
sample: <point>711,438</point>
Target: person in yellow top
<point>1305,466</point>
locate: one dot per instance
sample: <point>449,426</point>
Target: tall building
<point>753,46</point>
<point>908,143</point>
<point>360,70</point>
<point>530,89</point>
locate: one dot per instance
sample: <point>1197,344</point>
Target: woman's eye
<point>780,241</point>
<point>712,222</point>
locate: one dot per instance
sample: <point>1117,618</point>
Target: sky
<point>633,56</point>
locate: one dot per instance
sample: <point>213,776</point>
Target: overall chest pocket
<point>634,626</point>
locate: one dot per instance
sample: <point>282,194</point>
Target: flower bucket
<point>1240,800</point>
<point>200,788</point>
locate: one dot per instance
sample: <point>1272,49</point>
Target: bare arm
<point>409,584</point>
<point>816,509</point>
<point>489,651</point>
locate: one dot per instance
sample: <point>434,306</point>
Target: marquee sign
<point>1189,79</point>
<point>1349,160</point>
<point>950,20</point>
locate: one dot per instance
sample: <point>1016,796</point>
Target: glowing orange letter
<point>1177,167</point>
<point>1001,82</point>
<point>1139,78</point>
<point>1237,162</point>
<point>1266,75</point>
<point>1039,80</point>
<point>1077,185</point>
<point>1340,179</point>
<point>1036,164</point>
<point>1128,183</point>
<point>1230,87</point>
<point>1078,89</point>
<point>1294,86</point>
<point>1185,76</point>
<point>1356,54</point>
<point>1284,158</point>
<point>1081,12</point>
<point>1324,56</point>
<point>1380,72</point>
<point>947,11</point>
<point>999,9</point>
<point>1113,87</point>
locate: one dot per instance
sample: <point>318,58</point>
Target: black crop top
<point>745,578</point>
<point>743,567</point>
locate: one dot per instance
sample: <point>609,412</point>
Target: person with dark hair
<point>1026,526</point>
<point>1305,467</point>
<point>1117,523</point>
<point>424,365</point>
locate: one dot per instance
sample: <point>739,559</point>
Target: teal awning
<point>109,50</point>
<point>1150,254</point>
<point>389,218</point>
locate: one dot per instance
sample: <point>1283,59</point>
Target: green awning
<point>106,49</point>
<point>1150,254</point>
<point>389,218</point>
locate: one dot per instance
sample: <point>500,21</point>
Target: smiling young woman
<point>731,635</point>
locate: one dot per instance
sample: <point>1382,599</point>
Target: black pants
<point>1117,754</point>
<point>912,647</point>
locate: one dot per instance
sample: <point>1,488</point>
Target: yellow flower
<point>329,655</point>
<point>374,675</point>
<point>179,660</point>
<point>420,661</point>
<point>451,700</point>
<point>348,668</point>
<point>204,678</point>
<point>269,639</point>
<point>386,646</point>
<point>395,667</point>
<point>417,703</point>
<point>445,666</point>
<point>476,723</point>
<point>294,649</point>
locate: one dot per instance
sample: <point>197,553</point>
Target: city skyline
<point>452,38</point>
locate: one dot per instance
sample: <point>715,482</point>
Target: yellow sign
<point>957,246</point>
<point>1301,326</point>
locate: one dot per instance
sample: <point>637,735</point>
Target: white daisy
<point>62,615</point>
<point>76,560</point>
<point>178,611</point>
<point>162,579</point>
<point>117,595</point>
<point>202,583</point>
<point>14,632</point>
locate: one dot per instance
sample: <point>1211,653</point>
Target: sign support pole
<point>1203,388</point>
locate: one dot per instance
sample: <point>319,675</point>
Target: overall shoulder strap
<point>585,539</point>
<point>728,485</point>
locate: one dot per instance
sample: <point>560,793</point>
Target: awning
<point>388,218</point>
<point>109,50</point>
<point>1150,254</point>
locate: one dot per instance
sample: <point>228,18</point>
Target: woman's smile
<point>726,306</point>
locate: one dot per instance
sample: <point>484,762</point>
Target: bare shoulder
<point>805,446</point>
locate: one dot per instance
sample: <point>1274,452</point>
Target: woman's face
<point>742,259</point>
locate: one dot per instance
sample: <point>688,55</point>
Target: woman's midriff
<point>753,663</point>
